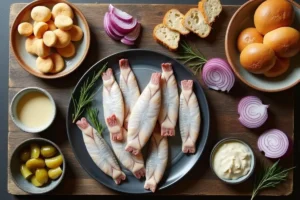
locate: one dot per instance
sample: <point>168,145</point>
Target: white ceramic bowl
<point>13,109</point>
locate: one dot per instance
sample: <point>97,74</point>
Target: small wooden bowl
<point>27,60</point>
<point>244,18</point>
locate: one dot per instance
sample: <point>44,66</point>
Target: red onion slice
<point>113,30</point>
<point>106,24</point>
<point>218,75</point>
<point>120,14</point>
<point>127,42</point>
<point>133,35</point>
<point>121,26</point>
<point>274,143</point>
<point>253,113</point>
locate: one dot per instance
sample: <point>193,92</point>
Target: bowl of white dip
<point>33,109</point>
<point>232,160</point>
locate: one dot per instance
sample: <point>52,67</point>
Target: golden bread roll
<point>67,51</point>
<point>285,41</point>
<point>49,38</point>
<point>25,29</point>
<point>257,58</point>
<point>248,36</point>
<point>273,14</point>
<point>39,29</point>
<point>63,38</point>
<point>280,67</point>
<point>41,14</point>
<point>44,65</point>
<point>63,22</point>
<point>62,9</point>
<point>59,63</point>
<point>76,33</point>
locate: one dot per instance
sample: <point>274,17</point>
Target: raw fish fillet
<point>113,103</point>
<point>189,117</point>
<point>134,163</point>
<point>157,160</point>
<point>144,116</point>
<point>100,152</point>
<point>129,88</point>
<point>170,101</point>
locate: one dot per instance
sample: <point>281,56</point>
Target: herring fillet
<point>113,103</point>
<point>189,117</point>
<point>129,88</point>
<point>170,101</point>
<point>134,163</point>
<point>100,152</point>
<point>144,115</point>
<point>157,160</point>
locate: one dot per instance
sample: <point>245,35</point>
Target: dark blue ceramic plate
<point>143,64</point>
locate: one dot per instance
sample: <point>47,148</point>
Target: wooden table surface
<point>223,107</point>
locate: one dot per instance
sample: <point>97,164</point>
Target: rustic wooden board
<point>223,107</point>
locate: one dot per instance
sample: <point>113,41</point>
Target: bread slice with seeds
<point>173,20</point>
<point>210,9</point>
<point>166,36</point>
<point>195,22</point>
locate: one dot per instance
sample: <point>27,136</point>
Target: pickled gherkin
<point>34,151</point>
<point>25,155</point>
<point>54,162</point>
<point>54,173</point>
<point>41,175</point>
<point>26,173</point>
<point>48,151</point>
<point>35,163</point>
<point>35,182</point>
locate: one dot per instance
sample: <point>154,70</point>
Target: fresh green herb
<point>191,56</point>
<point>270,178</point>
<point>93,117</point>
<point>86,96</point>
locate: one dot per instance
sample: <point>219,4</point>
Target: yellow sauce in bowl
<point>35,110</point>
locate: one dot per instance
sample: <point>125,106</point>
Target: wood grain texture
<point>223,107</point>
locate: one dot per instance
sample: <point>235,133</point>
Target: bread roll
<point>280,67</point>
<point>273,14</point>
<point>248,36</point>
<point>257,58</point>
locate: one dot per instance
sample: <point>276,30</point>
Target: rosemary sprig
<point>270,178</point>
<point>191,56</point>
<point>93,117</point>
<point>85,96</point>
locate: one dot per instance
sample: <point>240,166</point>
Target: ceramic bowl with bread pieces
<point>70,60</point>
<point>17,162</point>
<point>242,19</point>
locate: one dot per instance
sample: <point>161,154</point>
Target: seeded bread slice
<point>210,9</point>
<point>195,22</point>
<point>166,36</point>
<point>173,20</point>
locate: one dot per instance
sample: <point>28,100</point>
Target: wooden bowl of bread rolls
<point>50,39</point>
<point>262,44</point>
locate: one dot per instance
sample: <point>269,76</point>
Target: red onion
<point>112,28</point>
<point>127,42</point>
<point>106,28</point>
<point>121,26</point>
<point>218,75</point>
<point>253,113</point>
<point>274,143</point>
<point>133,35</point>
<point>120,14</point>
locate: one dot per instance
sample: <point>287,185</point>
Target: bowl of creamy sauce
<point>232,160</point>
<point>33,109</point>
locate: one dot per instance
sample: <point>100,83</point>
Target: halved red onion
<point>218,75</point>
<point>133,35</point>
<point>273,143</point>
<point>106,28</point>
<point>121,26</point>
<point>120,14</point>
<point>253,113</point>
<point>127,42</point>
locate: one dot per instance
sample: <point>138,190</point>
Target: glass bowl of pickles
<point>37,166</point>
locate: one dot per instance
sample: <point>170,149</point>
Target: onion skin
<point>274,144</point>
<point>253,113</point>
<point>217,75</point>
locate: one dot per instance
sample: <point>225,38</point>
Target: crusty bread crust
<point>187,14</point>
<point>160,41</point>
<point>202,10</point>
<point>165,19</point>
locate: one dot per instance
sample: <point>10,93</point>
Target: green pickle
<point>48,151</point>
<point>54,162</point>
<point>25,171</point>
<point>35,182</point>
<point>34,151</point>
<point>54,173</point>
<point>25,155</point>
<point>41,175</point>
<point>35,163</point>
